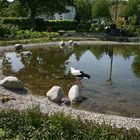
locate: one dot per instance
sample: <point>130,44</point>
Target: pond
<point>114,86</point>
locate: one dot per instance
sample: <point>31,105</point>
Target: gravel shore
<point>35,45</point>
<point>21,102</point>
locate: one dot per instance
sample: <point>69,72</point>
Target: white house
<point>66,16</point>
<point>70,15</point>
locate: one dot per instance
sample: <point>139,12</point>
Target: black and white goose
<point>79,73</point>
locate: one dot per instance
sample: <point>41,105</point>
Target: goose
<point>79,73</point>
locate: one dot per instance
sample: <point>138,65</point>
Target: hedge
<point>62,24</point>
<point>40,24</point>
<point>25,23</point>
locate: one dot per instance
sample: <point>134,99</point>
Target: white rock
<point>70,42</point>
<point>62,44</point>
<point>26,53</point>
<point>18,46</point>
<point>74,94</point>
<point>55,94</point>
<point>11,82</point>
<point>74,44</point>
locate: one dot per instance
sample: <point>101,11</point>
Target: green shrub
<point>83,27</point>
<point>40,24</point>
<point>7,30</point>
<point>61,25</point>
<point>25,23</point>
<point>32,124</point>
<point>22,34</point>
<point>96,28</point>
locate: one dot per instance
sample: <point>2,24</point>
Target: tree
<point>101,9</point>
<point>33,8</point>
<point>83,10</point>
<point>132,9</point>
<point>17,10</point>
<point>4,4</point>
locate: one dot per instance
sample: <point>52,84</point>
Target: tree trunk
<point>138,19</point>
<point>32,17</point>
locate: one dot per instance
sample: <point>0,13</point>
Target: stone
<point>74,44</point>
<point>65,101</point>
<point>70,42</point>
<point>18,47</point>
<point>11,82</point>
<point>26,53</point>
<point>62,44</point>
<point>55,94</point>
<point>74,94</point>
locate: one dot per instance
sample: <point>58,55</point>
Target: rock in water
<point>26,53</point>
<point>74,94</point>
<point>55,94</point>
<point>18,47</point>
<point>11,82</point>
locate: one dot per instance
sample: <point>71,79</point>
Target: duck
<point>79,73</point>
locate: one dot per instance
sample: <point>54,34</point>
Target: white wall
<point>66,16</point>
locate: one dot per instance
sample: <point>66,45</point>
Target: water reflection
<point>117,66</point>
<point>109,51</point>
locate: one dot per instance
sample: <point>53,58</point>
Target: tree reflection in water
<point>109,51</point>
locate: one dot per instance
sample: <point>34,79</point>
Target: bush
<point>97,28</point>
<point>7,30</point>
<point>34,34</point>
<point>83,27</point>
<point>32,124</point>
<point>24,23</point>
<point>40,24</point>
<point>61,25</point>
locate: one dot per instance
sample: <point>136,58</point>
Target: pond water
<point>114,86</point>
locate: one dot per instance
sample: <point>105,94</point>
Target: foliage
<point>33,34</point>
<point>32,124</point>
<point>34,8</point>
<point>83,27</point>
<point>121,22</point>
<point>4,4</point>
<point>8,29</point>
<point>61,25</point>
<point>83,10</point>
<point>96,28</point>
<point>132,8</point>
<point>100,9</point>
<point>25,23</point>
<point>40,25</point>
<point>11,31</point>
<point>17,10</point>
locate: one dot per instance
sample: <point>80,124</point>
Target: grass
<point>32,124</point>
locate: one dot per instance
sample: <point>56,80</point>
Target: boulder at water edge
<point>18,47</point>
<point>26,53</point>
<point>11,82</point>
<point>74,94</point>
<point>55,94</point>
